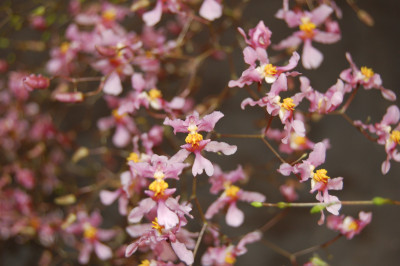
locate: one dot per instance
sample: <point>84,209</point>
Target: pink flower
<point>92,235</point>
<point>39,82</point>
<point>230,196</point>
<point>320,181</point>
<point>195,143</point>
<point>226,255</point>
<point>348,226</point>
<point>153,16</point>
<point>323,103</point>
<point>158,233</point>
<point>260,36</point>
<point>386,135</point>
<point>272,101</point>
<point>264,70</point>
<point>211,9</point>
<point>130,183</point>
<point>365,77</point>
<point>307,23</point>
<point>219,178</point>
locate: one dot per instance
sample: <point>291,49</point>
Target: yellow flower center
<point>300,140</point>
<point>145,263</point>
<point>117,116</point>
<point>155,94</point>
<point>158,186</point>
<point>133,156</point>
<point>231,191</point>
<point>307,27</point>
<point>395,136</point>
<point>367,73</point>
<point>89,232</point>
<point>229,258</point>
<point>320,176</point>
<point>109,14</point>
<point>194,139</point>
<point>156,226</point>
<point>288,104</point>
<point>353,226</point>
<point>64,47</point>
<point>270,70</point>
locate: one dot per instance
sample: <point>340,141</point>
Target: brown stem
<point>316,247</point>
<point>203,229</point>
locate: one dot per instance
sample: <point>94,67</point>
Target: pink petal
<point>320,14</point>
<point>121,137</point>
<point>210,9</point>
<point>84,254</point>
<point>392,115</point>
<point>215,146</point>
<point>138,230</point>
<point>388,94</point>
<point>250,56</point>
<point>285,169</point>
<point>326,37</point>
<point>214,208</point>
<point>385,167</point>
<point>182,252</point>
<point>130,249</point>
<point>251,196</point>
<point>152,17</point>
<point>113,84</point>
<point>200,164</point>
<point>312,58</point>
<point>293,61</point>
<point>137,213</point>
<point>289,42</point>
<point>108,197</point>
<point>208,122</point>
<point>234,216</point>
<point>102,251</point>
<point>166,217</point>
<point>317,156</point>
<point>247,239</point>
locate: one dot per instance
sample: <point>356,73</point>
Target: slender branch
<point>276,248</point>
<point>316,247</point>
<point>273,150</point>
<point>274,220</point>
<point>349,100</point>
<point>203,229</point>
<point>244,136</point>
<point>376,201</point>
<point>194,197</point>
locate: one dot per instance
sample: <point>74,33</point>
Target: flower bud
<point>39,82</point>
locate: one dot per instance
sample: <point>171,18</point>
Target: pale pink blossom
<point>365,77</point>
<point>260,36</point>
<point>211,9</point>
<point>195,143</point>
<point>348,226</point>
<point>264,70</point>
<point>226,255</point>
<point>307,23</point>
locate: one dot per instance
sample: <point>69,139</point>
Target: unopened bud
<point>39,82</point>
<point>69,97</point>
